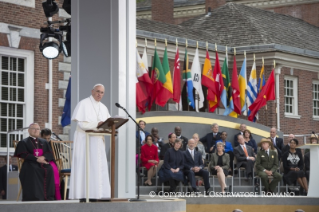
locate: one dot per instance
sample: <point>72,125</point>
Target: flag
<point>208,78</point>
<point>66,115</point>
<point>266,94</point>
<point>167,91</point>
<point>158,80</point>
<point>197,82</point>
<point>213,96</point>
<point>242,86</point>
<point>187,77</point>
<point>177,78</point>
<point>144,85</point>
<point>252,88</point>
<point>226,93</point>
<point>234,100</point>
<point>145,60</point>
<point>262,81</point>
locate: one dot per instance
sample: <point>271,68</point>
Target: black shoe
<point>195,190</point>
<point>207,191</point>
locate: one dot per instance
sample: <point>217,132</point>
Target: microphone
<point>56,136</point>
<point>119,106</point>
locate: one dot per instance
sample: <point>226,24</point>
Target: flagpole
<point>245,112</point>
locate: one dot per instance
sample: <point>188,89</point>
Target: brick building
<point>24,72</point>
<point>286,38</point>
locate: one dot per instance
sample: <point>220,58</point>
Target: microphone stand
<point>138,152</point>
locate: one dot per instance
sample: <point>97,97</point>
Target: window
<point>315,99</point>
<point>291,97</point>
<point>16,109</point>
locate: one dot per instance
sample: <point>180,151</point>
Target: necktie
<point>10,168</point>
<point>245,150</point>
<point>274,142</point>
<point>192,154</point>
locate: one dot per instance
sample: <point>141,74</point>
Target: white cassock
<point>88,113</point>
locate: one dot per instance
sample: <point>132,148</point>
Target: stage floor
<point>165,203</point>
<point>150,204</point>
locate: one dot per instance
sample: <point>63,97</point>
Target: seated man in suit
<point>193,165</point>
<point>178,133</point>
<point>277,142</point>
<point>266,165</point>
<point>210,139</point>
<point>3,176</point>
<point>245,156</point>
<point>142,135</point>
<point>242,128</point>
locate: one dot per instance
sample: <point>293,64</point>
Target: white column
<point>103,44</point>
<point>277,73</point>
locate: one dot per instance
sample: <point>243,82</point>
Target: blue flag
<point>66,115</point>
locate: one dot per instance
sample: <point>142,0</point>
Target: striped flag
<point>252,88</point>
<point>242,86</point>
<point>262,80</point>
<point>187,77</point>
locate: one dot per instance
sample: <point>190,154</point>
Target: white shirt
<point>142,136</point>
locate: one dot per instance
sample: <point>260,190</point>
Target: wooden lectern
<point>313,188</point>
<point>109,128</point>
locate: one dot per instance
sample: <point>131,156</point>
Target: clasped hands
<point>195,169</point>
<point>153,161</point>
<point>175,170</point>
<point>269,173</point>
<point>41,159</point>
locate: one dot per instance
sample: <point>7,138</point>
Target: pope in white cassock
<point>88,114</point>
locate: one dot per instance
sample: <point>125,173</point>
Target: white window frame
<point>26,3</point>
<point>28,56</point>
<point>294,113</point>
<point>316,118</point>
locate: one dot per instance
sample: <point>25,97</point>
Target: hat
<point>263,140</point>
<point>314,136</point>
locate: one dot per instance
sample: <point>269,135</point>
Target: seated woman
<point>250,141</point>
<point>219,165</point>
<point>149,158</point>
<point>172,169</point>
<point>293,166</point>
<point>228,149</point>
<point>200,147</point>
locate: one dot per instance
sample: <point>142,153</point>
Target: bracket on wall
<point>14,36</point>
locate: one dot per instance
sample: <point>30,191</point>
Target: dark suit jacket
<point>279,146</point>
<point>3,176</point>
<point>164,149</point>
<point>241,156</point>
<point>138,141</point>
<point>184,142</point>
<point>209,140</point>
<point>189,162</point>
<point>264,161</point>
<point>236,139</point>
<point>307,161</point>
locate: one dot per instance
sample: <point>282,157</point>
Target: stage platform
<point>150,204</point>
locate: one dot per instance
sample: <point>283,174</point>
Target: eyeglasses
<point>37,129</point>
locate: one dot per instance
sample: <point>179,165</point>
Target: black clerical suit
<point>242,158</point>
<point>189,163</point>
<point>210,140</point>
<point>164,148</point>
<point>184,142</point>
<point>3,178</point>
<point>279,145</point>
<point>37,179</point>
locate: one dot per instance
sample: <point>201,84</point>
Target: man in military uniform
<point>267,164</point>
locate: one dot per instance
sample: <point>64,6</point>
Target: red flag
<point>267,93</point>
<point>144,84</point>
<point>177,79</point>
<point>141,98</point>
<point>235,89</point>
<point>213,96</point>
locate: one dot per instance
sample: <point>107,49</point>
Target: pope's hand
<point>101,122</point>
